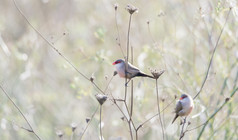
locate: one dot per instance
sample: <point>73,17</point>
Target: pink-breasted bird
<point>131,71</point>
<point>184,106</point>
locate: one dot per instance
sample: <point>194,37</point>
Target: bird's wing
<point>178,107</point>
<point>132,69</point>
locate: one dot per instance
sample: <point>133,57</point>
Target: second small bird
<point>131,71</point>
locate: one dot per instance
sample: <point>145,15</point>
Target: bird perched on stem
<point>184,106</point>
<point>130,72</point>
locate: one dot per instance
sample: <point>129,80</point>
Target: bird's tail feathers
<point>144,75</point>
<point>176,116</point>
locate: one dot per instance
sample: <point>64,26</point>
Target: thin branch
<point>101,122</point>
<point>105,90</point>
<point>214,114</point>
<point>214,50</point>
<point>19,110</point>
<point>182,133</point>
<point>132,86</point>
<point>158,104</point>
<point>55,49</point>
<point>118,34</point>
<point>81,136</point>
<point>154,115</point>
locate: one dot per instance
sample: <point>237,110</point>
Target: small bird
<point>184,106</point>
<point>131,71</point>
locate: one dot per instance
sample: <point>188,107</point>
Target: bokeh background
<point>179,38</point>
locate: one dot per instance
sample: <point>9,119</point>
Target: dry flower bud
<point>87,120</point>
<point>227,99</point>
<point>91,78</point>
<point>131,9</point>
<point>163,99</point>
<point>115,6</point>
<point>101,98</point>
<point>73,126</point>
<point>175,97</point>
<point>59,133</point>
<point>106,77</point>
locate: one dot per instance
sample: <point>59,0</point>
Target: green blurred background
<point>52,95</point>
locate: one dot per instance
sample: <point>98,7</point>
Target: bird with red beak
<point>184,106</point>
<point>130,72</point>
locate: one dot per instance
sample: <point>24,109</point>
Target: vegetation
<point>58,81</point>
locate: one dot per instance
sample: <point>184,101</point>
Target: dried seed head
<point>73,126</point>
<point>227,99</point>
<point>148,22</point>
<point>131,9</point>
<point>101,98</point>
<point>115,73</point>
<point>161,13</point>
<point>156,73</point>
<point>91,78</point>
<point>59,133</point>
<point>175,96</point>
<point>106,77</point>
<point>163,99</point>
<point>115,6</point>
<point>87,120</point>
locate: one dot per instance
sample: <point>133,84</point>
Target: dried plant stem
<point>214,114</point>
<point>53,47</point>
<point>158,105</point>
<point>72,135</point>
<point>132,86</point>
<point>137,129</point>
<point>19,110</point>
<point>127,55</point>
<point>182,133</point>
<point>81,136</point>
<point>101,122</point>
<point>210,62</point>
<point>118,34</point>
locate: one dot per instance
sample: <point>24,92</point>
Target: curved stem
<point>210,62</point>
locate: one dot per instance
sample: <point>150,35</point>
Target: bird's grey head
<point>183,96</point>
<point>119,61</point>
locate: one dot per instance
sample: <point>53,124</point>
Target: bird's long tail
<point>144,75</point>
<point>176,116</point>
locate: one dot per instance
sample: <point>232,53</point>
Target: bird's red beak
<point>180,98</point>
<point>114,63</point>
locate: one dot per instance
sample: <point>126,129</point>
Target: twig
<point>19,110</point>
<point>101,122</point>
<point>182,133</point>
<point>55,49</point>
<point>137,129</point>
<point>214,50</point>
<point>105,90</point>
<point>118,34</point>
<point>132,86</point>
<point>214,114</point>
<point>158,104</point>
<point>81,136</point>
